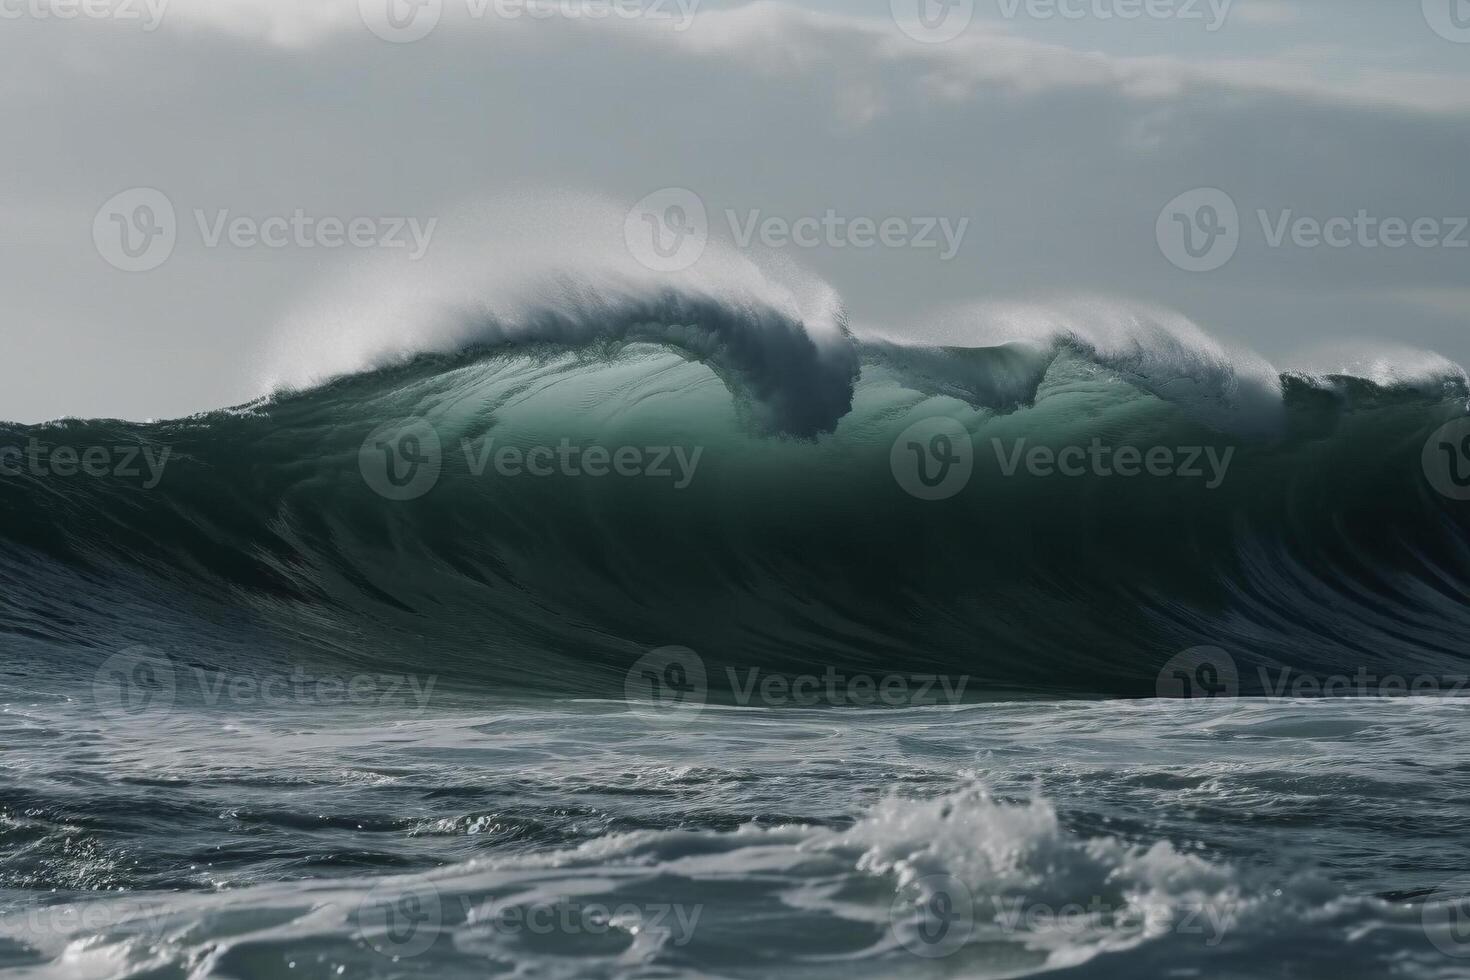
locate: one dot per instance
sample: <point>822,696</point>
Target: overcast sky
<point>1068,153</point>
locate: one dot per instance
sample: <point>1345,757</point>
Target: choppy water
<point>1148,838</point>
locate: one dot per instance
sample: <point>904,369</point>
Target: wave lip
<point>774,365</point>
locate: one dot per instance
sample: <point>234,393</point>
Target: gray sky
<point>1058,140</point>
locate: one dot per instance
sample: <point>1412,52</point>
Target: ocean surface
<point>669,636</point>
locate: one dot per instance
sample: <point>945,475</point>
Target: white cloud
<point>784,40</point>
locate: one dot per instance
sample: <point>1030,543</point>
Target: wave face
<point>768,524</point>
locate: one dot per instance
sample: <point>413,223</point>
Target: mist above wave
<point>557,272</point>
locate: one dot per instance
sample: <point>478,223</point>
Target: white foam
<point>555,268</point>
<point>1159,350</point>
<point>504,261</point>
<point>1386,364</point>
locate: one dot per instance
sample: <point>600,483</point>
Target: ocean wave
<point>767,523</point>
